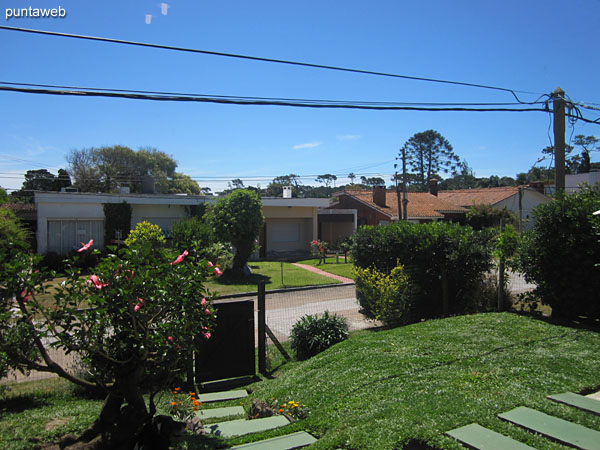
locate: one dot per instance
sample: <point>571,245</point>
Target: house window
<point>285,232</point>
<point>67,235</point>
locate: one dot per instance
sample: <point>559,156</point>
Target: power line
<point>352,102</point>
<point>242,101</point>
<point>271,60</point>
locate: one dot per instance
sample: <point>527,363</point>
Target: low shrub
<point>192,229</point>
<point>313,334</point>
<point>385,297</point>
<point>146,232</point>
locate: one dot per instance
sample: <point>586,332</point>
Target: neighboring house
<point>380,207</point>
<point>521,200</point>
<point>64,220</point>
<point>573,183</point>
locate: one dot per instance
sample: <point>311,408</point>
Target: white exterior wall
<point>573,182</point>
<point>64,211</point>
<point>530,199</point>
<point>162,215</point>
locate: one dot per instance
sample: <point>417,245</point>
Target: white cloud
<point>164,7</point>
<point>307,145</point>
<point>148,19</point>
<point>349,137</point>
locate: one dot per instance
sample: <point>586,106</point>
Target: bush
<point>487,216</point>
<point>191,230</point>
<point>439,257</point>
<point>314,334</point>
<point>384,297</point>
<point>238,219</point>
<point>146,232</point>
<point>560,254</point>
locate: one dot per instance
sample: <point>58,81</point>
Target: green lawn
<point>270,272</point>
<point>343,269</point>
<point>381,390</point>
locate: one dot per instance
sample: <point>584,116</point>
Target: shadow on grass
<point>231,278</point>
<point>205,442</point>
<point>21,403</point>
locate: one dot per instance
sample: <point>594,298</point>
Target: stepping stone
<point>216,413</point>
<point>240,427</point>
<point>578,401</point>
<point>560,430</point>
<point>221,396</point>
<point>287,442</point>
<point>478,437</point>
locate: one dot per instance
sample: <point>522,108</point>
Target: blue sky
<point>532,46</point>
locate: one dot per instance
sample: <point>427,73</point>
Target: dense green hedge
<point>434,255</point>
<point>561,254</point>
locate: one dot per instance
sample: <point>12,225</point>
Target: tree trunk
<point>116,427</point>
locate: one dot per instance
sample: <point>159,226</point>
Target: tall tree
<point>352,177</point>
<point>105,169</point>
<point>326,179</point>
<point>372,181</point>
<point>428,153</point>
<point>587,144</point>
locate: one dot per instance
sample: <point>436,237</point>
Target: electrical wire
<point>242,101</point>
<point>270,60</point>
<point>352,102</point>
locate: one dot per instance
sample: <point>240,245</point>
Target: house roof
<point>421,205</point>
<point>485,196</point>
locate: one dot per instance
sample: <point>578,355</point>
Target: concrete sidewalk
<point>322,272</point>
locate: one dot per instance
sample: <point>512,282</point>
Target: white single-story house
<point>65,219</point>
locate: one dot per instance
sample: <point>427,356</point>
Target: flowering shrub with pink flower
<point>133,321</point>
<point>318,249</point>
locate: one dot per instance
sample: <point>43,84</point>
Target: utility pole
<point>397,192</point>
<point>404,199</point>
<point>559,139</point>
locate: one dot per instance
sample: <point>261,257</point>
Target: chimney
<point>433,187</point>
<point>287,192</point>
<point>379,195</point>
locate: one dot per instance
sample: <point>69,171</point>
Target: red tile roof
<point>486,196</point>
<point>420,204</point>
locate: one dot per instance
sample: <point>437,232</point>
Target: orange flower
<point>192,394</point>
<point>177,389</point>
<point>196,403</point>
<point>173,403</point>
<point>280,411</point>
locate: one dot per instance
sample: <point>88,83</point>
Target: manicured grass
<point>383,389</point>
<point>270,272</point>
<point>343,269</point>
<point>29,408</point>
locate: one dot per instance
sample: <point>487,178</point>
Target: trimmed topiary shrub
<point>146,232</point>
<point>445,262</point>
<point>313,334</point>
<point>561,254</point>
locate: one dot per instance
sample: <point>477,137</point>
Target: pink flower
<point>96,282</point>
<point>170,338</point>
<point>218,271</point>
<point>139,304</point>
<point>86,246</point>
<point>25,295</point>
<point>207,312</point>
<point>210,264</point>
<point>180,258</point>
<point>314,242</point>
<point>203,302</point>
<point>206,335</point>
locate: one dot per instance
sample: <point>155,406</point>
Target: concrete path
<point>322,272</point>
